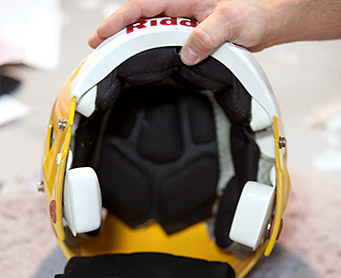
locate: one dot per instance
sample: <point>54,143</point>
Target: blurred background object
<point>30,33</point>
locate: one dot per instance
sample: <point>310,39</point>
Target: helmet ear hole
<point>82,200</point>
<point>252,214</point>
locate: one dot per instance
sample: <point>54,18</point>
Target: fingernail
<point>189,57</point>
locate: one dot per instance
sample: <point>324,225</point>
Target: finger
<point>136,9</point>
<point>124,16</point>
<point>127,14</point>
<point>95,41</point>
<point>223,24</point>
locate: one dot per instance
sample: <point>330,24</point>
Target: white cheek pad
<point>86,104</point>
<point>82,200</point>
<point>252,214</point>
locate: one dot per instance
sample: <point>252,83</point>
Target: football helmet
<point>146,154</point>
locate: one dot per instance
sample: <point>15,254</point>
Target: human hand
<point>252,24</point>
<point>238,21</point>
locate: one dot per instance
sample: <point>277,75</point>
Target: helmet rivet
<point>270,228</point>
<point>62,124</point>
<point>40,186</point>
<point>282,141</point>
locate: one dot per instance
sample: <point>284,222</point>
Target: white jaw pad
<point>266,143</point>
<point>259,118</point>
<point>252,214</point>
<point>82,200</point>
<point>86,104</point>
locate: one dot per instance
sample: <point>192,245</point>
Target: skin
<point>253,24</point>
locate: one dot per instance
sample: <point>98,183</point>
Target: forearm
<point>297,20</point>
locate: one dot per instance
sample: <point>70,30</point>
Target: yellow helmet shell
<point>77,99</point>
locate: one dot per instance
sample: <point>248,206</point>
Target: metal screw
<point>282,142</point>
<point>268,227</point>
<point>62,124</point>
<point>40,186</point>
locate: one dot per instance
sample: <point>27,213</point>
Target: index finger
<point>127,14</point>
<point>136,9</point>
<point>124,16</point>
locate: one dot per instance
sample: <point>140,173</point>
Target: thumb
<point>207,36</point>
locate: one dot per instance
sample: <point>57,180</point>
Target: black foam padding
<point>144,265</point>
<point>235,103</point>
<point>158,157</point>
<point>245,155</point>
<point>109,89</point>
<point>202,123</point>
<point>8,84</point>
<point>152,165</point>
<point>87,139</point>
<point>160,138</point>
<point>210,75</point>
<point>149,66</point>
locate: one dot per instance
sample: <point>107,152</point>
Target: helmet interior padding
<point>154,147</point>
<point>159,157</point>
<point>151,265</point>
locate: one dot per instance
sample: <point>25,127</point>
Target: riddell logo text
<point>172,21</point>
